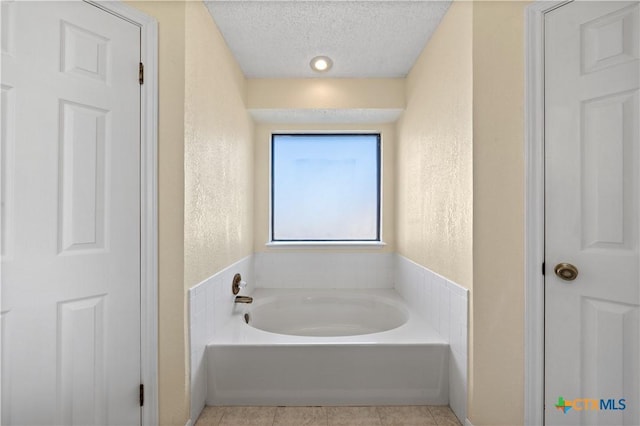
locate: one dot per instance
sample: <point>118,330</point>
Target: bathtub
<point>326,347</point>
<point>325,313</point>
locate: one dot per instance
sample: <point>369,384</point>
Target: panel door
<point>592,160</point>
<point>70,229</point>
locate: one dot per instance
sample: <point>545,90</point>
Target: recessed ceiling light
<point>321,63</point>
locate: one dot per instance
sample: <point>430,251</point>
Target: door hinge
<point>543,268</point>
<point>141,395</point>
<point>141,73</point>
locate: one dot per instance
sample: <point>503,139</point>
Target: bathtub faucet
<point>243,299</point>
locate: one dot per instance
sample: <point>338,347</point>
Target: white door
<point>70,215</point>
<point>592,161</point>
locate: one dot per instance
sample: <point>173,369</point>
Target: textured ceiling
<point>366,38</point>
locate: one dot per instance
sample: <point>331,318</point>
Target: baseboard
<point>467,423</point>
<point>189,423</point>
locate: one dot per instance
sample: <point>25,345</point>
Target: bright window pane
<point>325,187</point>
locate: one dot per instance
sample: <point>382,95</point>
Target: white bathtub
<point>326,347</point>
<point>326,313</point>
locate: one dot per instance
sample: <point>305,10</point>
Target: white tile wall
<point>210,307</point>
<point>444,304</point>
<point>324,270</point>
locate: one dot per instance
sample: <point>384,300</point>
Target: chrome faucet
<point>243,299</point>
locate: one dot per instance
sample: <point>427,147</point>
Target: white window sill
<point>326,244</point>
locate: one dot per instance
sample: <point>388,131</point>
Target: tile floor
<point>415,415</point>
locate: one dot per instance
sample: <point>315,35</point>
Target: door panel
<point>592,159</point>
<point>82,182</point>
<point>70,215</point>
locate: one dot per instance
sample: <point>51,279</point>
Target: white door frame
<point>148,201</point>
<point>534,211</point>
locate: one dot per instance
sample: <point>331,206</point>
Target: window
<point>325,187</point>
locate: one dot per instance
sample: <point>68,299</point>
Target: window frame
<point>377,241</point>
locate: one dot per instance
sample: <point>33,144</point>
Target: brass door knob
<point>566,271</point>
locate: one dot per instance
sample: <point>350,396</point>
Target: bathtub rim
<point>415,331</point>
<point>264,307</point>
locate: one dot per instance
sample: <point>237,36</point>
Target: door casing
<point>148,199</point>
<point>534,210</point>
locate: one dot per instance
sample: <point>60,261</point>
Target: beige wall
<point>434,153</point>
<point>173,380</point>
<point>218,228</point>
<point>463,126</point>
<point>497,377</point>
<point>262,170</point>
<point>318,93</point>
